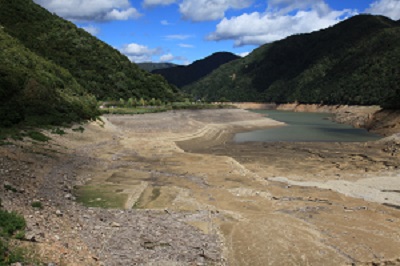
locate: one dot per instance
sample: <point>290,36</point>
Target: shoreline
<point>221,203</point>
<point>384,122</point>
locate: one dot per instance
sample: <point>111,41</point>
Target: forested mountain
<point>96,66</point>
<point>35,90</point>
<point>354,62</point>
<point>184,75</point>
<point>150,66</point>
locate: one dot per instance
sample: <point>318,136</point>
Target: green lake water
<point>310,127</point>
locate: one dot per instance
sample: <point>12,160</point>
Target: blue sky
<point>182,31</point>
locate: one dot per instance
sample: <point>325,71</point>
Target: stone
<point>30,237</point>
<point>115,224</point>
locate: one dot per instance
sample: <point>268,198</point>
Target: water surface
<point>311,127</point>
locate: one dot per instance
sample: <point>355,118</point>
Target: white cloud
<point>185,45</point>
<point>92,29</point>
<point>152,3</point>
<point>167,57</point>
<point>88,10</point>
<point>178,37</point>
<point>389,8</point>
<point>139,53</point>
<point>170,57</point>
<point>259,28</point>
<point>205,10</point>
<point>122,14</point>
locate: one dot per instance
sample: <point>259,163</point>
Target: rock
<point>114,224</point>
<point>59,213</point>
<point>30,237</point>
<point>68,196</point>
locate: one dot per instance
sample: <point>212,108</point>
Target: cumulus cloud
<point>389,8</point>
<point>122,14</point>
<point>259,28</point>
<point>139,53</point>
<point>167,57</point>
<point>206,10</point>
<point>92,29</point>
<point>89,10</point>
<point>152,3</point>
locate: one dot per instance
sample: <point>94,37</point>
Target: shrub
<point>10,188</point>
<point>37,204</point>
<point>35,135</point>
<point>78,129</point>
<point>58,131</point>
<point>11,223</point>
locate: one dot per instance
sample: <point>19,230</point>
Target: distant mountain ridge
<point>150,66</point>
<point>184,75</point>
<point>354,62</point>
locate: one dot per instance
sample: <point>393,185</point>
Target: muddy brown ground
<point>248,203</point>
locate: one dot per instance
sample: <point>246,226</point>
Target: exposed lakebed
<point>305,127</point>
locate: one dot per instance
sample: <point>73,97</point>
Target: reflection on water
<point>314,127</point>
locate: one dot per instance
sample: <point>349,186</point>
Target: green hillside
<point>354,62</point>
<point>99,68</point>
<point>36,91</point>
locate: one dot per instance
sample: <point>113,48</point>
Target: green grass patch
<point>11,224</point>
<point>12,227</point>
<point>10,255</point>
<point>38,136</point>
<point>37,205</point>
<point>155,193</point>
<point>58,131</point>
<point>10,188</point>
<point>103,196</point>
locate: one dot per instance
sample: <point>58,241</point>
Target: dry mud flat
<point>188,196</point>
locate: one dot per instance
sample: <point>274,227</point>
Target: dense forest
<point>36,90</point>
<point>184,75</point>
<point>150,66</point>
<point>98,67</point>
<point>354,62</point>
<point>52,72</point>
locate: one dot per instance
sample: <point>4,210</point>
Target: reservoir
<point>305,127</point>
